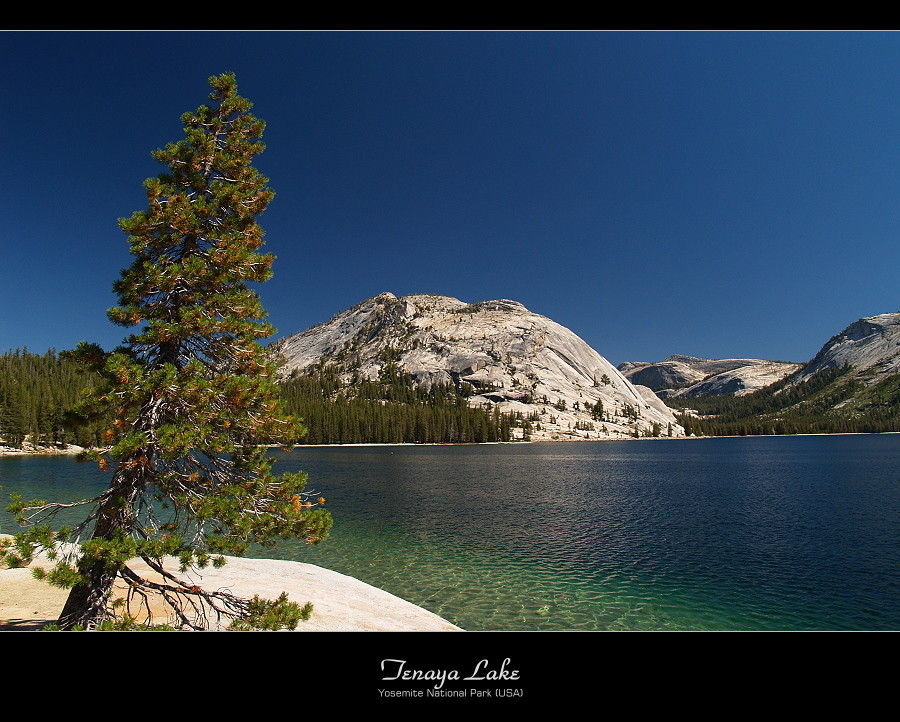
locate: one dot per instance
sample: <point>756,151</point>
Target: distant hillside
<point>498,355</point>
<point>871,346</point>
<point>430,368</point>
<point>690,376</point>
<point>851,385</point>
<point>36,394</point>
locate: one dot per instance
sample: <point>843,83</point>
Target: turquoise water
<point>792,533</point>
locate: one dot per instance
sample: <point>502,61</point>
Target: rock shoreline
<point>340,603</point>
<point>31,450</point>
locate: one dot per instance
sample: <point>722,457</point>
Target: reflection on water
<point>752,533</point>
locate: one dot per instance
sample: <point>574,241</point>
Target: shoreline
<point>67,450</point>
<point>341,603</point>
<point>72,449</point>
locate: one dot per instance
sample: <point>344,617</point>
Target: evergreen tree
<point>35,394</point>
<point>194,394</point>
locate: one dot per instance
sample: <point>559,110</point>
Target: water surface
<point>795,533</point>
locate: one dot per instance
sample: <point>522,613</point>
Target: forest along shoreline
<point>74,449</point>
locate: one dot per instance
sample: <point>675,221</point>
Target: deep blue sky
<point>712,194</point>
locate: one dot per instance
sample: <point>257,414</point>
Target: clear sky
<point>706,193</point>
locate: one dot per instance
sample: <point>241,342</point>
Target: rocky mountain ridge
<point>851,386</point>
<point>870,345</point>
<point>497,353</point>
<point>690,376</point>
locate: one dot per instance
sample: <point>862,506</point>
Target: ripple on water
<point>764,533</point>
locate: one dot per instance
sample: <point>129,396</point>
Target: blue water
<point>772,533</point>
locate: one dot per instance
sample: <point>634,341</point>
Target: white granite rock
<point>871,345</point>
<point>514,359</point>
<point>340,602</point>
<point>707,377</point>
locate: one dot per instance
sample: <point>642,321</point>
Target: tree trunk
<point>88,602</point>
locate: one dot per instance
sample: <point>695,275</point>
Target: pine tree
<point>193,393</point>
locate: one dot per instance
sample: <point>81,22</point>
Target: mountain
<point>851,385</point>
<point>690,376</point>
<point>870,345</point>
<point>497,354</point>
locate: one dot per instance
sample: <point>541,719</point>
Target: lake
<point>761,533</point>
